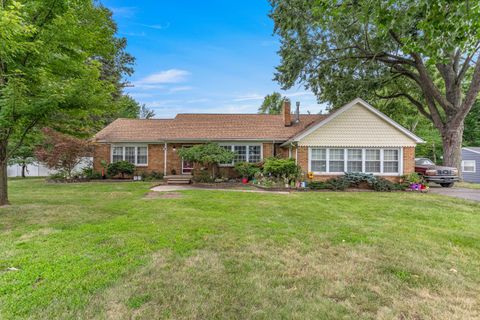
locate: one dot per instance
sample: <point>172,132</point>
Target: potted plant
<point>246,170</point>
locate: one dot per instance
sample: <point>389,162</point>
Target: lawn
<point>104,250</point>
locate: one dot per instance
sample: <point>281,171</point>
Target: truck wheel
<point>447,185</point>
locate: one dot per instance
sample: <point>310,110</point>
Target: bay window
<point>244,153</point>
<point>339,160</point>
<point>137,155</point>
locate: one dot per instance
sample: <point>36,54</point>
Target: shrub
<point>202,176</point>
<point>285,169</point>
<point>152,176</point>
<point>246,169</point>
<point>413,178</point>
<point>120,168</point>
<point>338,184</point>
<point>318,185</point>
<point>209,154</point>
<point>89,173</point>
<point>356,178</point>
<point>58,176</point>
<point>381,184</point>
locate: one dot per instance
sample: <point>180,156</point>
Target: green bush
<point>202,176</point>
<point>58,176</point>
<point>120,168</point>
<point>413,178</point>
<point>285,169</point>
<point>246,169</point>
<point>318,185</point>
<point>338,184</point>
<point>383,185</point>
<point>356,178</point>
<point>89,173</point>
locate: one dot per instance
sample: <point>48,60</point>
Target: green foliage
<point>318,185</point>
<point>356,178</point>
<point>383,185</point>
<point>281,168</point>
<point>120,168</point>
<point>91,174</point>
<point>471,135</point>
<point>152,176</point>
<point>414,178</point>
<point>202,176</point>
<point>206,154</point>
<point>338,184</point>
<point>246,169</point>
<point>272,104</point>
<point>58,176</point>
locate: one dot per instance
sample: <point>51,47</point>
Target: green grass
<point>467,185</point>
<point>104,251</point>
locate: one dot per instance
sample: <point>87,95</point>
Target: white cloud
<point>157,26</point>
<point>180,89</point>
<point>249,97</point>
<point>167,76</point>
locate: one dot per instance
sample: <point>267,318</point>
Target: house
<point>470,163</point>
<point>354,138</point>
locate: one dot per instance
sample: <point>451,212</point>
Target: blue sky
<point>202,56</point>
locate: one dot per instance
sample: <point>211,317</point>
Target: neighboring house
<point>471,164</point>
<point>355,138</point>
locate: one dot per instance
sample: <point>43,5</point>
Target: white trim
<point>468,149</point>
<point>247,154</point>
<point>347,107</point>
<point>345,155</point>
<point>474,166</point>
<point>165,149</point>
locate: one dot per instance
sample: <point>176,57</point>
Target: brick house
<point>354,138</point>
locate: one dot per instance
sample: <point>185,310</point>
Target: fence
<point>39,170</point>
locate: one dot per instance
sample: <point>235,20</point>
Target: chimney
<point>287,116</point>
<point>297,112</point>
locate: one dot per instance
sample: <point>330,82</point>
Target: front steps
<point>179,179</point>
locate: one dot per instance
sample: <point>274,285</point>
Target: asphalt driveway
<point>464,193</point>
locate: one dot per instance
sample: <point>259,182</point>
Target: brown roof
<point>192,127</point>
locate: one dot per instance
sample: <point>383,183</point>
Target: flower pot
<point>244,180</point>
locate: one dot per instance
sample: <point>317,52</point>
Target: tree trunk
<point>24,167</point>
<point>3,183</point>
<point>452,138</point>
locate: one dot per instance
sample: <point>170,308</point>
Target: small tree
<point>272,104</point>
<point>61,152</point>
<point>285,169</point>
<point>210,154</point>
<point>23,156</point>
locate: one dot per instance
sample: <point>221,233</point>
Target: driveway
<point>464,193</point>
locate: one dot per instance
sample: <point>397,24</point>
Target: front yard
<point>105,250</point>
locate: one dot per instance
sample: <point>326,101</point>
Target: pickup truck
<point>445,176</point>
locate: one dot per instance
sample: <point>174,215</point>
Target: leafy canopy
<point>206,154</point>
<point>272,104</point>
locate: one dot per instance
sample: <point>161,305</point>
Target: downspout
<point>296,154</point>
<point>165,159</point>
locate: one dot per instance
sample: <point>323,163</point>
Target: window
<point>138,155</point>
<point>390,161</point>
<point>319,160</point>
<point>130,154</point>
<point>336,160</point>
<point>469,166</point>
<point>117,154</point>
<point>142,155</point>
<point>244,153</point>
<point>254,154</point>
<point>354,157</point>
<point>372,160</point>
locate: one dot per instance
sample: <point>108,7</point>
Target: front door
<point>187,166</point>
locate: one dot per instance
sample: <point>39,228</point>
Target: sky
<point>214,56</point>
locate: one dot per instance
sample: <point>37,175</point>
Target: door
<point>187,166</point>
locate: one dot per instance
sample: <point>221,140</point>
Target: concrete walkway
<point>168,188</point>
<point>463,193</point>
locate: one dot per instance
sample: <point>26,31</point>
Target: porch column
<point>165,148</point>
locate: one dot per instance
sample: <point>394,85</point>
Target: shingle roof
<point>191,127</point>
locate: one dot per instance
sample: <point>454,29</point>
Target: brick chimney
<point>287,116</point>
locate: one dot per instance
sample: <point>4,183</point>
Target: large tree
<point>53,61</point>
<point>272,104</point>
<point>423,52</point>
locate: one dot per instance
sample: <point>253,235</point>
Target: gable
<point>359,126</point>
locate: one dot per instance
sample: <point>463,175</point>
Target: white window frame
<point>474,166</point>
<point>247,145</point>
<point>136,146</point>
<point>345,157</point>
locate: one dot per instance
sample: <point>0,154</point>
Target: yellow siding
<point>357,127</point>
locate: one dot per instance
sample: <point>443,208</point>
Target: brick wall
<point>408,160</point>
<point>267,150</point>
<point>100,152</point>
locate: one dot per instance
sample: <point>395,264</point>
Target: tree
<point>423,52</point>
<point>61,152</point>
<point>471,135</point>
<point>53,66</point>
<point>209,154</point>
<point>25,154</point>
<point>146,113</point>
<point>272,104</point>
<point>120,168</point>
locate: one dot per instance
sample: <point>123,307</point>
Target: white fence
<point>39,170</point>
